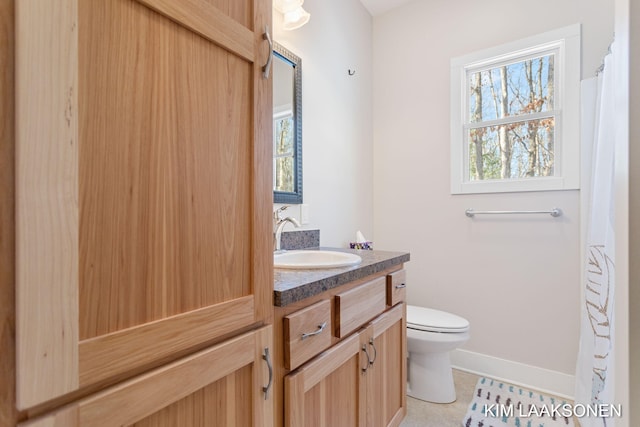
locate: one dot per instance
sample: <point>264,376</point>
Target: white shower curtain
<point>594,370</point>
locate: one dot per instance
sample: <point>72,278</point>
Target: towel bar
<point>555,212</point>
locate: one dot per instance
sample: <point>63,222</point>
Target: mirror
<point>287,126</point>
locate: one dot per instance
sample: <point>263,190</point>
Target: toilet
<point>431,335</point>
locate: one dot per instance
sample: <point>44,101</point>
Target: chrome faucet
<point>279,224</point>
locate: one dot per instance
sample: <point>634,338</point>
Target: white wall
<point>337,116</point>
<point>517,279</point>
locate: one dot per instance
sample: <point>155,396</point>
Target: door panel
<point>219,386</point>
<point>215,405</point>
<point>143,184</point>
<point>164,155</point>
<point>331,402</point>
<point>328,390</point>
<point>386,377</point>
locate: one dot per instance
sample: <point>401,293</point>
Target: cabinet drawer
<point>359,305</point>
<point>306,333</point>
<point>396,287</point>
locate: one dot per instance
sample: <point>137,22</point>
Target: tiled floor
<point>425,414</point>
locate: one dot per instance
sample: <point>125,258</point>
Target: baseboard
<point>542,380</point>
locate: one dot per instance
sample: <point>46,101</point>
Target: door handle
<point>266,69</point>
<point>375,351</point>
<point>366,366</point>
<point>267,359</point>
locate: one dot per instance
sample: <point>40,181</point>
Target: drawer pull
<point>319,331</point>
<point>401,286</point>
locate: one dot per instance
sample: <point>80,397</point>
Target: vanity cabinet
<point>360,381</point>
<point>358,375</point>
<point>143,205</point>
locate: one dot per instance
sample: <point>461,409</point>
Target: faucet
<point>279,224</point>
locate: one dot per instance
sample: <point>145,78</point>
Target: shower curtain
<point>594,370</point>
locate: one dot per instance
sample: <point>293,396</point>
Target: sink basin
<point>314,259</point>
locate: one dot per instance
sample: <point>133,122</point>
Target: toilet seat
<point>430,320</point>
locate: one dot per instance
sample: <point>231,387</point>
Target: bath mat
<point>498,404</point>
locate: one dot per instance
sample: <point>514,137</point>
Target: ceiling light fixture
<point>294,15</point>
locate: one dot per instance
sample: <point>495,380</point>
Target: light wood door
<point>143,181</point>
<point>219,386</point>
<point>328,390</point>
<point>386,376</point>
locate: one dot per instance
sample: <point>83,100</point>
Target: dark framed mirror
<point>287,126</point>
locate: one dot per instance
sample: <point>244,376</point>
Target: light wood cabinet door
<point>143,185</point>
<point>328,390</point>
<point>219,386</point>
<point>386,376</point>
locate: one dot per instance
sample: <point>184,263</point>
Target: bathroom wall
<point>517,279</point>
<point>337,116</point>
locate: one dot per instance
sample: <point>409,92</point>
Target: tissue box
<point>361,245</point>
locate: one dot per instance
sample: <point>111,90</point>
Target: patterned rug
<point>498,404</point>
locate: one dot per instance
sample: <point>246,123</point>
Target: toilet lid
<point>428,319</point>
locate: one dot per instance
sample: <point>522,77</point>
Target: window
<point>515,116</point>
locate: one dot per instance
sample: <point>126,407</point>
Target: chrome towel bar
<point>555,212</point>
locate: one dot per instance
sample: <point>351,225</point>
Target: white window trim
<point>567,151</point>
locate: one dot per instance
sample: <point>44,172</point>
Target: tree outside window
<point>284,154</point>
<point>518,101</point>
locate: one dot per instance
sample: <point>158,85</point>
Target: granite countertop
<point>295,285</point>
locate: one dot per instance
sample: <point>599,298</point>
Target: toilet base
<point>431,377</point>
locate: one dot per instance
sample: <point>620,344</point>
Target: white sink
<point>314,259</point>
